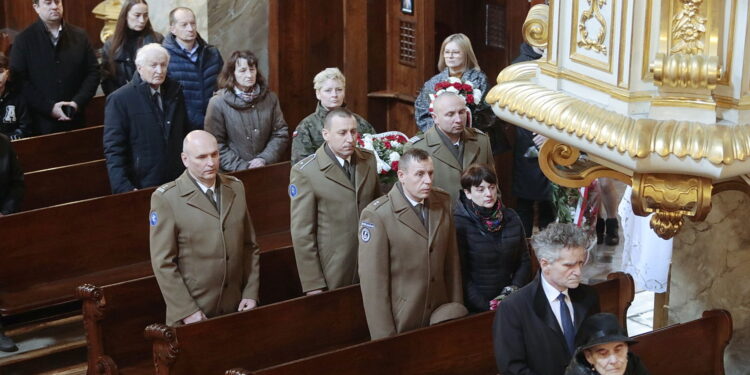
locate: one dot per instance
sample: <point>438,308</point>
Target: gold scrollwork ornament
<point>670,198</point>
<point>688,27</point>
<point>594,12</point>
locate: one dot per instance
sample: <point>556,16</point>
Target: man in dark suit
<point>535,328</point>
<point>55,66</point>
<point>144,124</point>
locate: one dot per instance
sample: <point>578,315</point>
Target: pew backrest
<point>70,183</point>
<point>691,348</point>
<point>59,149</point>
<point>48,252</point>
<point>115,315</point>
<point>262,337</point>
<point>459,347</point>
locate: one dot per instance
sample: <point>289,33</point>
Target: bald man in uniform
<point>328,189</point>
<point>409,268</point>
<point>452,146</point>
<point>203,248</point>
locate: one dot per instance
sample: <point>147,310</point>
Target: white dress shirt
<point>552,293</point>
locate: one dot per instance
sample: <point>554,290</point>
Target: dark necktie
<point>158,105</point>
<point>420,212</point>
<point>349,171</point>
<point>212,198</point>
<point>567,324</point>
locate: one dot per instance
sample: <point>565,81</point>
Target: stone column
<point>710,270</point>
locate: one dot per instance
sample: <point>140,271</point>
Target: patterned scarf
<point>248,96</point>
<point>490,218</point>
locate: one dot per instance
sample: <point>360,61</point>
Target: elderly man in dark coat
<point>55,66</point>
<point>144,124</point>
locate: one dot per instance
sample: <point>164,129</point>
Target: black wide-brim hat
<point>600,329</point>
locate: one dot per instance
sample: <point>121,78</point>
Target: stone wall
<point>230,25</point>
<point>711,270</point>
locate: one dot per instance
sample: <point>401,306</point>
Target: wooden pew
<point>59,149</point>
<point>47,253</point>
<point>464,347</point>
<point>267,339</point>
<point>70,183</point>
<point>691,348</point>
<point>114,315</point>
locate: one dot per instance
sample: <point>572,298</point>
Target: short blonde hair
<point>326,74</point>
<point>465,45</point>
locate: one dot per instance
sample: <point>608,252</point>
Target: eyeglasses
<point>452,53</point>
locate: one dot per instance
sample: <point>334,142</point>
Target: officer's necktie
<point>212,198</point>
<point>420,212</point>
<point>348,168</point>
<point>567,323</point>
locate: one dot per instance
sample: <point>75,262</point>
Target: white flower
<point>367,140</point>
<point>452,89</point>
<point>382,166</point>
<point>454,80</point>
<point>477,96</point>
<point>469,83</point>
<point>395,144</point>
<point>394,156</point>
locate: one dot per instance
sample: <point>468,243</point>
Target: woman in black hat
<point>603,349</point>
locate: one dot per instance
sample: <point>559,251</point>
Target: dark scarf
<point>491,218</point>
<point>248,96</point>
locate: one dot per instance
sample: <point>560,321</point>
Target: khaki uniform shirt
<point>325,206</point>
<point>476,147</point>
<point>406,270</point>
<point>202,259</point>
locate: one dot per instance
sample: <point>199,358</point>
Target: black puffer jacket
<point>490,261</point>
<point>579,366</point>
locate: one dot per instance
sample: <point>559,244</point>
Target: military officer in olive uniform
<point>203,248</point>
<point>451,144</point>
<point>328,189</point>
<point>408,258</point>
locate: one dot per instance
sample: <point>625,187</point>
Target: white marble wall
<point>711,270</point>
<point>230,25</point>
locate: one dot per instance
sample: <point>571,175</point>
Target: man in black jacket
<point>55,66</point>
<point>535,328</point>
<point>11,193</point>
<point>144,124</point>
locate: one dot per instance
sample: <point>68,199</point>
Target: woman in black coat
<point>491,241</point>
<point>133,31</point>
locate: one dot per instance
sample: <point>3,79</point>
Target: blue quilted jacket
<point>198,79</point>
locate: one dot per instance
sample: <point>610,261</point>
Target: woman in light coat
<point>245,116</point>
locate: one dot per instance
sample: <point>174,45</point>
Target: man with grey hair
<point>409,268</point>
<point>144,124</point>
<point>535,328</point>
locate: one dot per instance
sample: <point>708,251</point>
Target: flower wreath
<point>464,89</point>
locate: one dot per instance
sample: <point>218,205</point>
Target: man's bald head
<point>449,113</point>
<point>200,155</point>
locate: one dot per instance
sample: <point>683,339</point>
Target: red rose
<point>457,86</point>
<point>387,145</point>
<point>360,142</point>
<point>394,165</point>
<point>402,139</point>
<point>467,87</point>
<point>469,99</point>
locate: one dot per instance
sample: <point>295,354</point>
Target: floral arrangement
<point>388,148</point>
<point>465,89</point>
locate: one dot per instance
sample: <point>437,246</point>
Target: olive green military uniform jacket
<point>448,170</point>
<point>202,260</point>
<point>307,137</point>
<point>406,270</point>
<point>325,206</point>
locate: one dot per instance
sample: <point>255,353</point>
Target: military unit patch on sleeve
<point>293,190</point>
<point>414,139</point>
<point>365,234</point>
<point>153,218</point>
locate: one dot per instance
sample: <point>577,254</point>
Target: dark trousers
<point>525,210</point>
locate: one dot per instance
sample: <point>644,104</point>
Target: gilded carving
<point>563,165</point>
<point>681,70</point>
<point>670,198</point>
<point>688,27</point>
<point>535,27</point>
<point>639,138</point>
<point>109,11</point>
<point>594,12</point>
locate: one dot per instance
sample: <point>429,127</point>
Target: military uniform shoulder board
<point>478,131</point>
<point>232,178</point>
<point>304,162</point>
<point>165,187</point>
<point>366,150</point>
<point>379,202</point>
<point>416,138</point>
